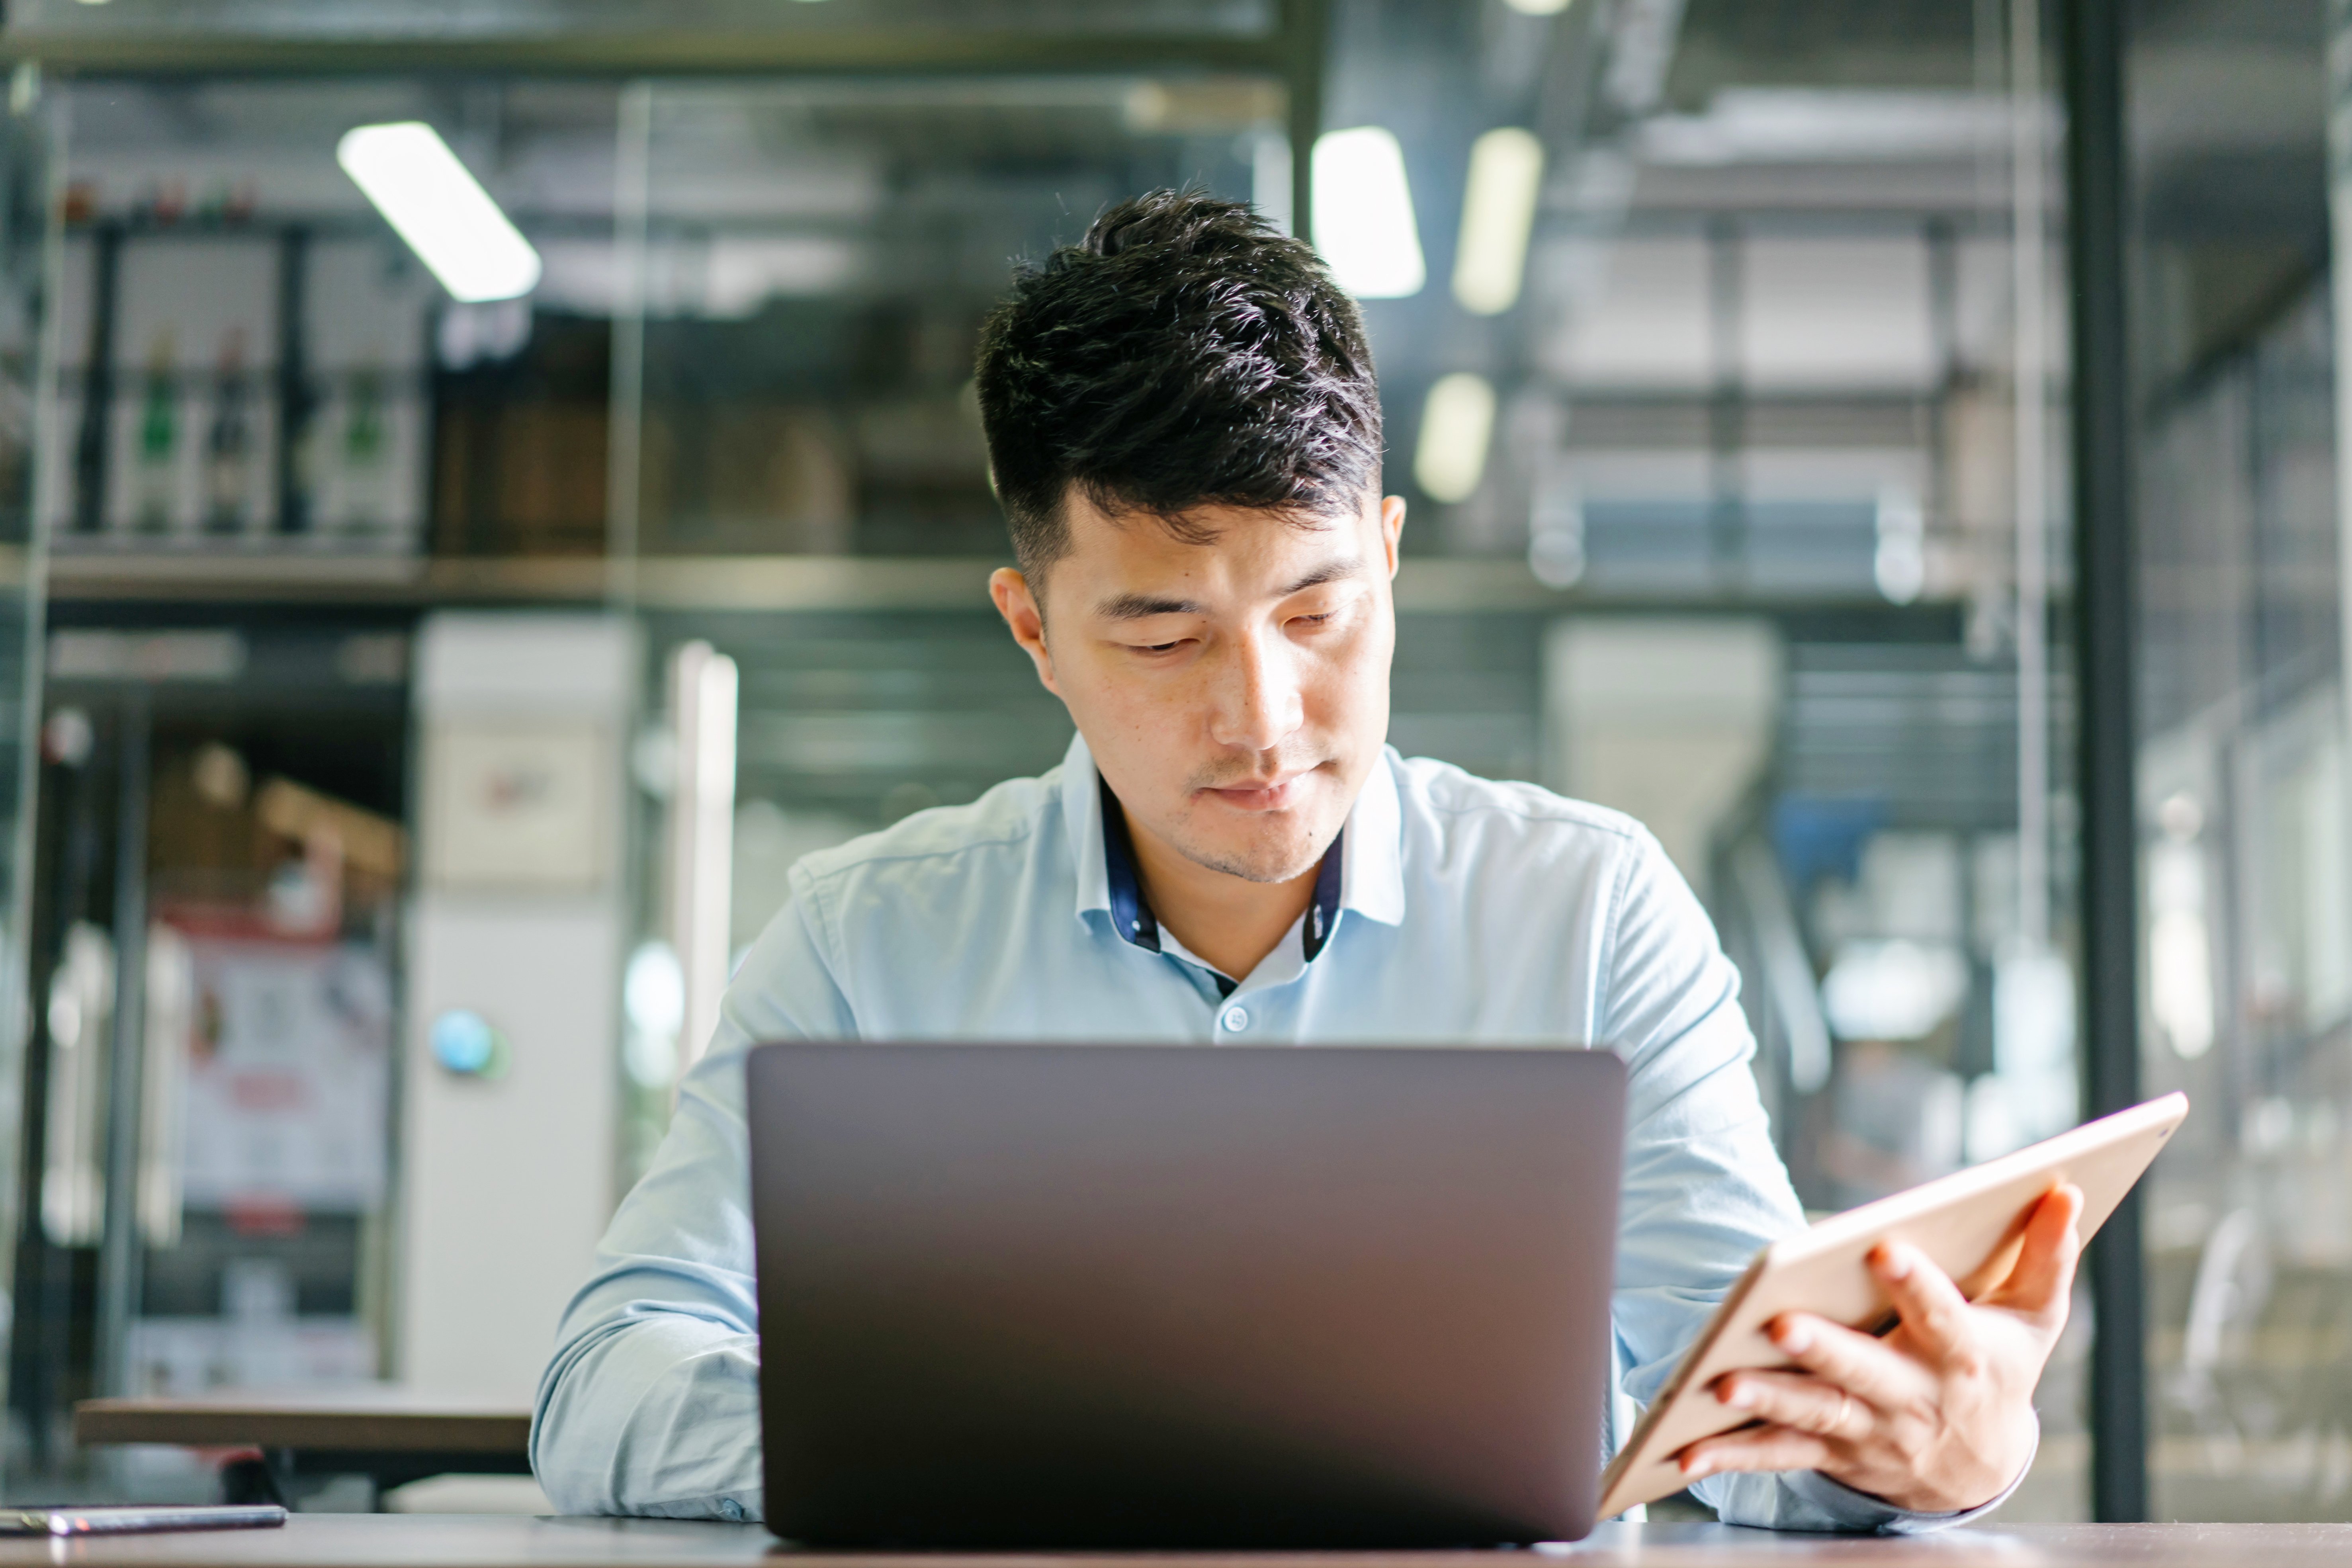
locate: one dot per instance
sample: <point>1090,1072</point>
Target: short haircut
<point>1184,353</point>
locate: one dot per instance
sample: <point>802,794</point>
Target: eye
<point>1313,620</point>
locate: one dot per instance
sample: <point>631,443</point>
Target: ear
<point>1392,527</point>
<point>1019,607</point>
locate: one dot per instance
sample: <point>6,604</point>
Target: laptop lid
<point>1145,1296</point>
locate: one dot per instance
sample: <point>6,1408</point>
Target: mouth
<point>1259,795</point>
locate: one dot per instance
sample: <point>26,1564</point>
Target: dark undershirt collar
<point>1133,917</point>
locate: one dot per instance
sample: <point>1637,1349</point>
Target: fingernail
<point>1792,1338</point>
<point>1898,1259</point>
<point>1737,1397</point>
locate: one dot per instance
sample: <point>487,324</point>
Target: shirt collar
<point>1372,874</point>
<point>1082,816</point>
<point>1365,877</point>
<point>1129,915</point>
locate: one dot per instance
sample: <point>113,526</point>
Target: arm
<point>1705,1188</point>
<point>651,1403</point>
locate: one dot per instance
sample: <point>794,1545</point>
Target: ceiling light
<point>1363,213</point>
<point>1498,212</point>
<point>1457,424</point>
<point>1537,7</point>
<point>433,202</point>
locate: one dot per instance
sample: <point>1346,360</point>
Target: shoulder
<point>1524,846</point>
<point>946,841</point>
<point>1447,797</point>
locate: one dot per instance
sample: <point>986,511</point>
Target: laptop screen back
<point>1140,1296</point>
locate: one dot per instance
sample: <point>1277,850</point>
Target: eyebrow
<point>1140,606</point>
<point>1338,569</point>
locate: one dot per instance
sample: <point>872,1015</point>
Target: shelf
<point>714,582</point>
<point>219,575</point>
<point>699,583</point>
<point>634,53</point>
<point>751,584</point>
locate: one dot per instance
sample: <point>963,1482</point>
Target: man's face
<point>1233,692</point>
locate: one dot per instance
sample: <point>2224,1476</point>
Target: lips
<point>1271,795</point>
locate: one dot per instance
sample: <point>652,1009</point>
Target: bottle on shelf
<point>155,487</point>
<point>361,452</point>
<point>228,443</point>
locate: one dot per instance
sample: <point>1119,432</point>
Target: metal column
<point>1305,42</point>
<point>121,1248</point>
<point>2098,176</point>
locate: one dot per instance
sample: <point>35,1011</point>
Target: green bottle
<point>364,451</point>
<point>159,440</point>
<point>228,446</point>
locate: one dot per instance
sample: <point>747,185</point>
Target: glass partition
<point>1750,445</point>
<point>816,260</point>
<point>806,265</point>
<point>2246,862</point>
<point>1732,447</point>
<point>267,413</point>
<point>1726,395</point>
<point>30,139</point>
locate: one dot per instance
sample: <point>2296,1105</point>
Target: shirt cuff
<point>1851,1509</point>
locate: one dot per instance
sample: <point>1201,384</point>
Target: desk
<point>451,1540</point>
<point>383,1431</point>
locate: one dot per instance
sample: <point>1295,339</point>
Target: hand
<point>1935,1417</point>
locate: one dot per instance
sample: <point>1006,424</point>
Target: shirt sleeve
<point>1704,1186</point>
<point>651,1403</point>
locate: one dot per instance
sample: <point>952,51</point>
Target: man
<point>1185,434</point>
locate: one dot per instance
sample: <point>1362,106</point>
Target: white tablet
<point>1972,1224</point>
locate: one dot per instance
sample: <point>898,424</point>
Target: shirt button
<point>730,1510</point>
<point>1236,1019</point>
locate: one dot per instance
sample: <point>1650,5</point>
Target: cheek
<point>1352,681</point>
<point>1106,699</point>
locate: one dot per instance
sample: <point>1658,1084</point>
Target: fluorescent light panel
<point>1363,214</point>
<point>1537,7</point>
<point>433,202</point>
<point>1499,213</point>
<point>1457,424</point>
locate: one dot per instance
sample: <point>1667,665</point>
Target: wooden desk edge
<point>105,1422</point>
<point>364,1541</point>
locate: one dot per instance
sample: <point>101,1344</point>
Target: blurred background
<point>484,488</point>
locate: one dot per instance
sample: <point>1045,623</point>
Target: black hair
<point>1184,353</point>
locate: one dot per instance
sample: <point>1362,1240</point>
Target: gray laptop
<point>1183,1296</point>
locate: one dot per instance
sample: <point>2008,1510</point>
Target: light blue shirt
<point>1468,912</point>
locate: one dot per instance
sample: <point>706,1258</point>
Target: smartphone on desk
<point>137,1519</point>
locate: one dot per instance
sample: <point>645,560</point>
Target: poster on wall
<point>288,1083</point>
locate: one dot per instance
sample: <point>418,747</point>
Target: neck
<point>1229,922</point>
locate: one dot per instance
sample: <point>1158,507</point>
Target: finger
<point>1869,1369</point>
<point>1931,1306</point>
<point>2044,1275</point>
<point>1799,1401</point>
<point>1754,1448</point>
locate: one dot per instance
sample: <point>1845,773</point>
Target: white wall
<point>507,1178</point>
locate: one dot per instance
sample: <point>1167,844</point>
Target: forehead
<point>1215,541</point>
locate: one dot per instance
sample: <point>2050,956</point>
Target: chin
<point>1276,853</point>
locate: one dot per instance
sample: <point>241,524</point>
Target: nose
<point>1257,704</point>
